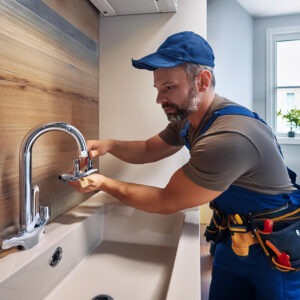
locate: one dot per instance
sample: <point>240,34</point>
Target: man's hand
<point>88,184</point>
<point>98,147</point>
<point>180,193</point>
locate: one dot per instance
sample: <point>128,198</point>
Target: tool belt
<point>217,230</point>
<point>276,230</point>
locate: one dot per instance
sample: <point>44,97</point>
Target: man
<point>234,161</point>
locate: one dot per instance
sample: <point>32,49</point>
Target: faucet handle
<point>36,199</point>
<point>76,167</point>
<point>89,163</point>
<point>77,162</point>
<point>77,173</point>
<point>74,177</point>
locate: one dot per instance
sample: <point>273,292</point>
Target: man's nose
<point>160,99</point>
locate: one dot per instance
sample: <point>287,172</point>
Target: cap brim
<point>155,61</point>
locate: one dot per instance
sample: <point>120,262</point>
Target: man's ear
<point>204,80</point>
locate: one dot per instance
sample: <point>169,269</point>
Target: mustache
<point>169,106</point>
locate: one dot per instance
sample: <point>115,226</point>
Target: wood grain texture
<point>45,76</point>
<point>76,12</point>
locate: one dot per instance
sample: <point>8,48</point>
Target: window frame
<point>272,36</point>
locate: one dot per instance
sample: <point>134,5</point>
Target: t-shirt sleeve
<point>171,134</point>
<point>218,160</point>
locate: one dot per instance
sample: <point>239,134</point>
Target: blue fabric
<point>240,200</point>
<point>184,132</point>
<point>227,110</point>
<point>179,48</point>
<point>237,199</point>
<point>231,110</point>
<point>251,277</point>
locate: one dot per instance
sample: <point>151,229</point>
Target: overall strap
<point>231,110</point>
<point>227,110</point>
<point>184,132</point>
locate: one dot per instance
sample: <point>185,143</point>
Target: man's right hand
<point>98,147</point>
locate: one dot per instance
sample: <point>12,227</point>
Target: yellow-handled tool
<point>238,219</point>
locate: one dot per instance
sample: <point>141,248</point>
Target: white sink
<point>109,249</point>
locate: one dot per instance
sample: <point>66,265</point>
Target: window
<point>283,76</point>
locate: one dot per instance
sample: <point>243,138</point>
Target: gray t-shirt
<point>235,150</point>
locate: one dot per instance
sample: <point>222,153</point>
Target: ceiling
<point>265,8</point>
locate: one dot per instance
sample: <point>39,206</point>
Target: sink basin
<point>103,248</point>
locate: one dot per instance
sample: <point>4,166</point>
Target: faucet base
<point>28,239</point>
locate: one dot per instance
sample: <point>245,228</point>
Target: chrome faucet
<point>33,217</point>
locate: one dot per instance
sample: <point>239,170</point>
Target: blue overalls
<point>249,277</point>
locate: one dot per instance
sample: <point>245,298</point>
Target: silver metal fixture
<point>77,173</point>
<point>33,217</point>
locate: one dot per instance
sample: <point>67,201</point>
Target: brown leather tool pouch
<point>241,242</point>
<point>241,237</point>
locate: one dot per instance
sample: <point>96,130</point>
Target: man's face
<point>174,92</point>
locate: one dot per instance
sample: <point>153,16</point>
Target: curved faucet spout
<point>27,203</point>
<point>33,217</point>
<point>33,134</point>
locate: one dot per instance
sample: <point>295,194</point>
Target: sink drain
<point>102,297</point>
<point>56,257</point>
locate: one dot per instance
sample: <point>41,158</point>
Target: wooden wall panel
<point>48,73</point>
<point>76,13</point>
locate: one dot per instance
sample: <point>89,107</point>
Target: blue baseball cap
<point>177,49</point>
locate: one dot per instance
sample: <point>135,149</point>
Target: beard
<point>189,106</point>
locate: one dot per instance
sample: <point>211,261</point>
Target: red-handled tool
<point>282,258</point>
<point>268,226</point>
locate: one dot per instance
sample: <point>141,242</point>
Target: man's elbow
<point>168,209</point>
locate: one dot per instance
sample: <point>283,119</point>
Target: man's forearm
<point>180,193</point>
<point>147,198</point>
<point>140,152</point>
<point>134,152</point>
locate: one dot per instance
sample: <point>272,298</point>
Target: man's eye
<point>170,87</point>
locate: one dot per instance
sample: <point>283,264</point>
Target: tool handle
<point>268,226</point>
<point>281,257</point>
<point>273,248</point>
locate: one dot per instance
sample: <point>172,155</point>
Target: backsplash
<point>48,73</point>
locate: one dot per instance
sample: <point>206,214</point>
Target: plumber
<point>235,164</point>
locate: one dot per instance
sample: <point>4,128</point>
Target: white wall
<point>127,97</point>
<point>261,25</point>
<point>230,33</point>
<point>290,151</point>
